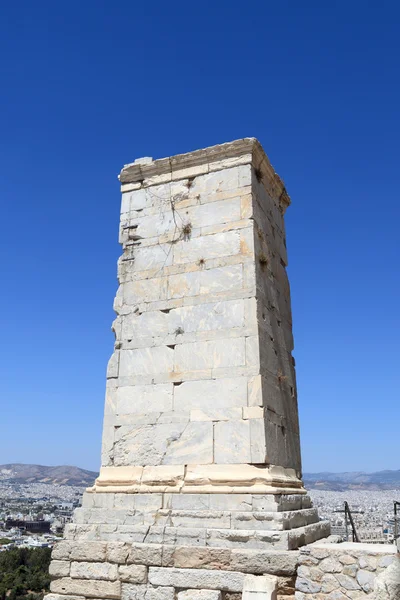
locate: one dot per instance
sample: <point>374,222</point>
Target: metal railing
<point>396,519</point>
<point>348,520</point>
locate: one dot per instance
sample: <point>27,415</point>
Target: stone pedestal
<point>200,485</point>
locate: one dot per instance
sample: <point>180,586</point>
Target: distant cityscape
<point>34,513</point>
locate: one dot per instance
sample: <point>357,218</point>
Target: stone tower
<point>200,486</point>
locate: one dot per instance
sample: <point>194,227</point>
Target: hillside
<point>357,480</point>
<point>62,475</point>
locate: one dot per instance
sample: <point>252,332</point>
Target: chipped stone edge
<point>200,479</point>
<point>200,162</point>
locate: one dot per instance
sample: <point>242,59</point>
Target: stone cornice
<point>199,479</point>
<point>146,172</point>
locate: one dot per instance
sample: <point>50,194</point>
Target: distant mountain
<point>357,480</point>
<point>64,475</point>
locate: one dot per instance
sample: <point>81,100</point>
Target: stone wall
<point>346,571</point>
<point>115,570</point>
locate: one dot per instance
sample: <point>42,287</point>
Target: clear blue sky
<point>88,86</point>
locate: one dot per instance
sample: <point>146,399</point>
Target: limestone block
<point>207,317</point>
<point>273,562</point>
<point>144,290</point>
<point>212,183</point>
<point>214,213</point>
<point>260,587</point>
<point>254,392</point>
<point>158,224</point>
<point>231,502</point>
<point>144,324</point>
<point>94,500</point>
<point>61,550</point>
<point>199,595</point>
<point>145,445</point>
<point>86,587</point>
<point>93,570</point>
<point>258,449</point>
<point>117,552</point>
<point>210,281</point>
<point>253,412</point>
<point>196,558</point>
<point>197,578</point>
<point>59,568</point>
<point>144,398</point>
<point>216,414</point>
<point>144,258</point>
<point>137,419</point>
<point>171,475</point>
<point>133,573</point>
<point>62,597</point>
<point>252,351</point>
<point>255,521</point>
<point>211,394</point>
<point>244,175</point>
<point>232,442</point>
<point>184,536</point>
<point>113,365</point>
<point>188,501</point>
<point>209,246</point>
<point>268,502</point>
<point>138,199</point>
<point>145,592</point>
<point>146,360</point>
<point>200,519</point>
<point>93,551</point>
<point>195,445</point>
<point>212,354</point>
<point>146,554</point>
<point>251,539</point>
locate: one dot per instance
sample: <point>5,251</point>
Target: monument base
<point>157,546</point>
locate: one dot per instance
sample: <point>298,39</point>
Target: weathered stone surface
<point>117,552</point>
<point>197,578</point>
<point>63,597</point>
<point>132,573</point>
<point>329,583</point>
<point>59,568</point>
<point>61,550</point>
<point>260,561</point>
<point>212,558</point>
<point>92,551</point>
<point>146,554</point>
<point>387,584</point>
<point>199,595</point>
<point>307,586</point>
<point>232,442</point>
<point>331,565</point>
<point>93,570</point>
<point>86,587</point>
<point>145,592</point>
<point>211,394</point>
<point>366,580</point>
